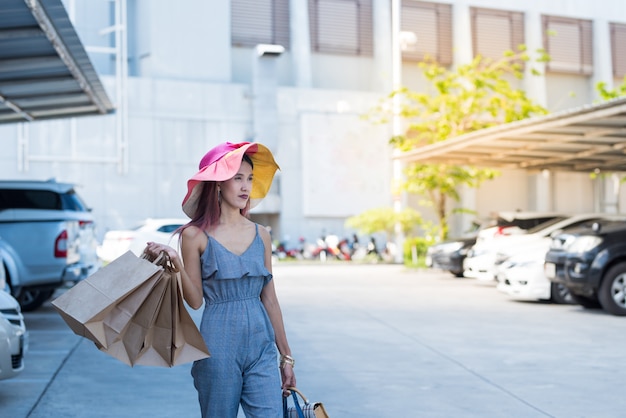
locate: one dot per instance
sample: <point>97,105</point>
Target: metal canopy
<point>584,139</point>
<point>44,69</point>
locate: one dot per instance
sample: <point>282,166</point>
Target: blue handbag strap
<point>296,404</point>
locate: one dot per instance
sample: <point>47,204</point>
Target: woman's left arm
<point>270,301</point>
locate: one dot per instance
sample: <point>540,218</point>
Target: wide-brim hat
<point>222,163</point>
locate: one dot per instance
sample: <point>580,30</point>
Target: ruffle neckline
<point>221,264</point>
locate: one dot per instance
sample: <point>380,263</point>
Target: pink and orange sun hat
<point>222,163</point>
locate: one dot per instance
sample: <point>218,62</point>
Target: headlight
<point>562,242</point>
<point>584,243</point>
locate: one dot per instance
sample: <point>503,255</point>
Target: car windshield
<point>544,225</point>
<point>169,228</point>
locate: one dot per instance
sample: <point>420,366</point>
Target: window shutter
<point>282,23</point>
<point>432,24</point>
<point>618,49</point>
<point>569,44</point>
<point>341,26</point>
<point>260,22</point>
<point>496,31</point>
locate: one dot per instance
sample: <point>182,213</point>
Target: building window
<point>260,22</point>
<point>618,46</point>
<point>568,42</point>
<point>341,26</point>
<point>428,29</point>
<point>496,31</point>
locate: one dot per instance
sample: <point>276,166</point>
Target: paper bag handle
<point>163,260</point>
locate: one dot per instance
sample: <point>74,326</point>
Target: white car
<point>514,223</point>
<point>13,336</point>
<point>481,260</point>
<point>161,230</point>
<point>522,276</point>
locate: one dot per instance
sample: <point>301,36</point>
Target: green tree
<point>462,100</point>
<point>384,220</point>
<point>605,94</point>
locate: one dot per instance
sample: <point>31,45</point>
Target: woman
<point>227,264</point>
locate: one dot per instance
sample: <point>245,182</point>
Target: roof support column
<point>540,191</point>
<point>602,60</point>
<point>300,43</point>
<point>535,85</point>
<point>462,35</point>
<point>610,199</point>
<point>468,200</point>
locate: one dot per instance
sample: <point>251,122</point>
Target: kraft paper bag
<point>173,337</point>
<point>91,308</point>
<point>148,325</point>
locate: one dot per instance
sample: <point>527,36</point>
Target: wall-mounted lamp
<point>269,50</point>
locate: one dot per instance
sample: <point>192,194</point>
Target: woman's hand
<point>153,249</point>
<point>289,378</point>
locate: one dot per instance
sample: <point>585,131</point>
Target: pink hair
<point>208,210</point>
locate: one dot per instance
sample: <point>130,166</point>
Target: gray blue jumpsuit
<point>239,335</point>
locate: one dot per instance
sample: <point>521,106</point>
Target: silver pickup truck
<point>47,238</point>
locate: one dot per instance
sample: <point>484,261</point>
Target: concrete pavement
<point>369,341</point>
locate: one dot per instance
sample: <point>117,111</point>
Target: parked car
<point>482,259</point>
<point>591,263</point>
<point>47,238</point>
<point>514,223</point>
<point>13,337</point>
<point>449,255</point>
<point>522,277</point>
<point>161,230</point>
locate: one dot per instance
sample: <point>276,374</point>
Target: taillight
<point>83,224</point>
<point>501,231</point>
<point>60,245</point>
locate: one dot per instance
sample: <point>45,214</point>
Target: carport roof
<point>44,70</point>
<point>584,139</point>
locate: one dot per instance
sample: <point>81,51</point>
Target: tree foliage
<point>606,94</point>
<point>385,220</point>
<point>471,97</point>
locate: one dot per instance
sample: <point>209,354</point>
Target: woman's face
<point>236,191</point>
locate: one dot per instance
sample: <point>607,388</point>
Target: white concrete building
<point>189,74</point>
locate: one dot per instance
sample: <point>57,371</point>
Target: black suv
<point>591,263</point>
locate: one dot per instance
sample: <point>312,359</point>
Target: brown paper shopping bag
<point>173,338</point>
<point>162,333</point>
<point>141,324</point>
<point>91,308</point>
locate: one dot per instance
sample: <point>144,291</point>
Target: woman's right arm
<point>192,245</point>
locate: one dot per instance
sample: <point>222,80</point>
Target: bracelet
<point>285,359</point>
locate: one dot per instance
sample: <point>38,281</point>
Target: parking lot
<point>369,341</point>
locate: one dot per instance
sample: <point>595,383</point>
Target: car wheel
<point>560,294</point>
<point>612,293</point>
<point>585,302</point>
<point>31,300</point>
